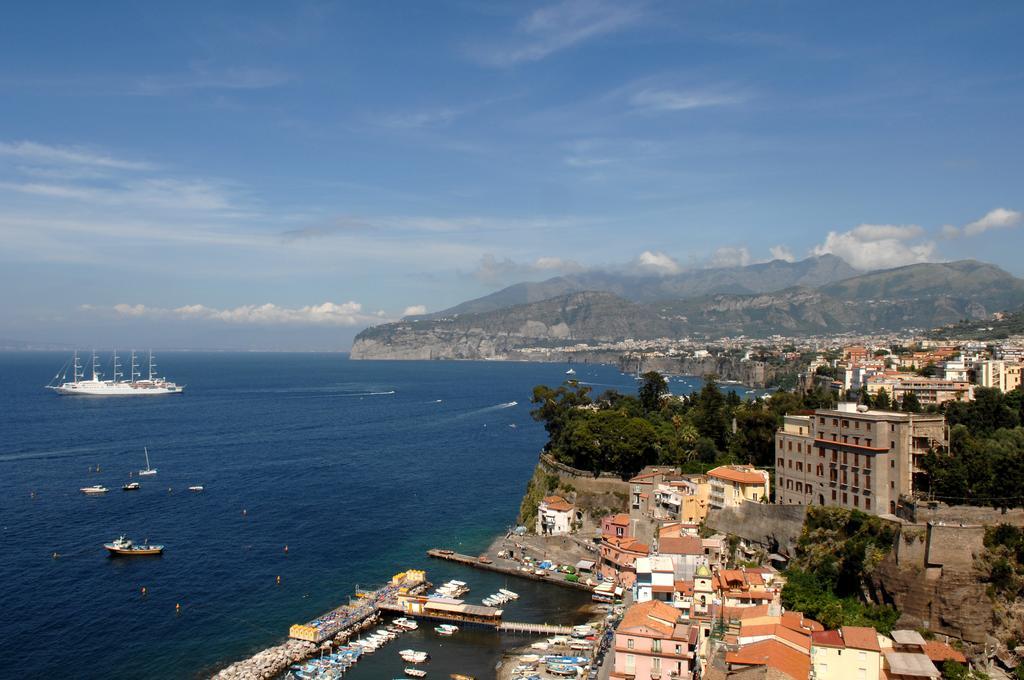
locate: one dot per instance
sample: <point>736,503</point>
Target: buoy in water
<point>244,512</point>
<point>177,608</point>
<point>278,580</point>
<point>143,591</point>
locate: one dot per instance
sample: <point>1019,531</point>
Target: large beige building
<point>733,485</point>
<point>853,458</point>
<point>1002,375</point>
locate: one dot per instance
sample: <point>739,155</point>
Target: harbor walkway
<point>511,569</point>
<point>534,628</point>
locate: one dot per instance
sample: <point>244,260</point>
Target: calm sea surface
<point>358,467</point>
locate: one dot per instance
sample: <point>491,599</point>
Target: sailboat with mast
<point>116,387</point>
<point>149,470</point>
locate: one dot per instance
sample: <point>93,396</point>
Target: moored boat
<point>415,672</point>
<point>124,546</point>
<point>94,490</point>
<point>131,486</point>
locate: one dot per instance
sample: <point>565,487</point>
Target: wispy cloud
<point>781,253</point>
<point>557,27</point>
<point>328,313</point>
<point>491,270</point>
<point>411,120</point>
<point>652,99</point>
<point>404,224</point>
<point>74,155</point>
<point>201,77</point>
<point>156,192</point>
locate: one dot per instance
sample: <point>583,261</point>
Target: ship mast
<point>117,374</point>
<point>78,368</point>
<point>151,365</point>
<point>95,367</point>
<point>135,367</point>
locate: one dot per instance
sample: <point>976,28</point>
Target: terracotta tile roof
<point>684,587</point>
<point>775,629</point>
<point>797,621</point>
<point>649,619</point>
<point>680,545</point>
<point>662,589</point>
<point>558,504</point>
<point>939,652</point>
<point>754,612</point>
<point>861,637</point>
<point>621,519</point>
<point>741,475</point>
<point>628,544</point>
<point>827,638</point>
<point>773,654</point>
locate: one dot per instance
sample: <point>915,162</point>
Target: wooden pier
<point>474,562</point>
<point>536,628</point>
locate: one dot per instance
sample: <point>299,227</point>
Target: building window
<point>867,426</point>
<point>856,501</point>
<point>656,645</point>
<point>629,643</point>
<point>867,503</point>
<point>835,422</point>
<point>789,445</point>
<point>833,494</point>
<point>856,424</point>
<point>845,501</point>
<point>892,463</point>
<point>846,423</point>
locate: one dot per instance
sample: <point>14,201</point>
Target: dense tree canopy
<point>621,433</point>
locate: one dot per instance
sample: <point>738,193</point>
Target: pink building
<point>618,559</point>
<point>617,526</point>
<point>651,643</point>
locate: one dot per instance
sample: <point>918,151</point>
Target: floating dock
<point>469,561</point>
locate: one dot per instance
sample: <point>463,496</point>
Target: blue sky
<point>282,174</point>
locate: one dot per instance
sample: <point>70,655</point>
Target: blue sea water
<point>357,467</point>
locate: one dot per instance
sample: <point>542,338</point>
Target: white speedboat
<point>509,594</point>
<point>94,490</point>
<point>197,488</point>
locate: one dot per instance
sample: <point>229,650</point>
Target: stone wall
<point>776,527</point>
<point>582,480</point>
<point>922,512</point>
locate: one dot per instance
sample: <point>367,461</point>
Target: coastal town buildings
<point>618,558</point>
<point>652,642</point>
<point>733,485</point>
<point>684,548</point>
<point>929,391</point>
<point>555,516</point>
<point>846,653</point>
<point>999,374</point>
<point>853,457</point>
<point>655,579</point>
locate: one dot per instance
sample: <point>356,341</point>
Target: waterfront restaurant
<point>449,609</point>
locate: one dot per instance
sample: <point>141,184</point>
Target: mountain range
<point>816,296</point>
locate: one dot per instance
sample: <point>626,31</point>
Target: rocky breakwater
<point>270,662</point>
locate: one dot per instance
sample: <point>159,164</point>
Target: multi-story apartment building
<point>652,642</point>
<point>852,457</point>
<point>929,391</point>
<point>733,485</point>
<point>997,373</point>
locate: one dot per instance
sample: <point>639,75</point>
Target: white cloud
<point>493,271</point>
<point>878,246</point>
<point>656,262</point>
<point>949,231</point>
<point>163,193</point>
<point>680,100</point>
<point>1000,218</point>
<point>729,256</point>
<point>65,155</point>
<point>328,313</point>
<point>559,26</point>
<point>781,253</point>
<point>415,310</point>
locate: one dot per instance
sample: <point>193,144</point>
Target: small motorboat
<point>124,546</point>
<point>131,486</point>
<point>413,656</point>
<point>197,488</point>
<point>415,673</point>
<point>94,490</point>
<point>446,629</point>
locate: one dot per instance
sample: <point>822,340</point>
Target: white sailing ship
<point>96,386</point>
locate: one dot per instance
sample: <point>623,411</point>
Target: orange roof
<point>742,475</point>
<point>621,519</point>
<point>557,503</point>
<point>680,545</point>
<point>773,654</point>
<point>627,543</point>
<point>861,637</point>
<point>684,587</point>
<point>797,621</point>
<point>650,619</point>
<point>754,612</point>
<point>802,640</point>
<point>827,638</point>
<point>940,651</point>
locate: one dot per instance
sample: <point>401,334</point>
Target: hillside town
<point>703,573</point>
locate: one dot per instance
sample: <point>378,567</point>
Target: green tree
<point>865,397</point>
<point>910,403</point>
<point>654,387</point>
<point>881,400</point>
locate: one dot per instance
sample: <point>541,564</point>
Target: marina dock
<point>469,561</point>
<point>533,628</point>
